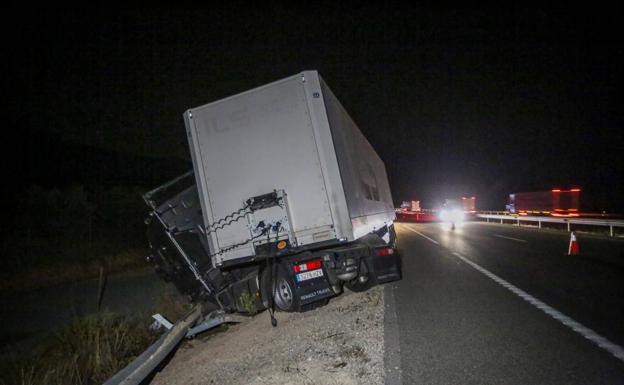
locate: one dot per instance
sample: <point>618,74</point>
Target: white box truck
<point>287,202</point>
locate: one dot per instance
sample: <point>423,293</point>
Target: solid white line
<point>513,239</point>
<point>392,356</point>
<point>586,332</point>
<point>423,235</point>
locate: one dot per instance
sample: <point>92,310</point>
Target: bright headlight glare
<point>457,215</point>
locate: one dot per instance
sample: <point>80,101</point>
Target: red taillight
<point>384,251</point>
<point>308,266</point>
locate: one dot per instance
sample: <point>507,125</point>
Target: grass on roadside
<point>86,352</point>
<point>91,349</point>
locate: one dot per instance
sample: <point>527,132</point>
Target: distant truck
<point>287,203</point>
<point>465,204</point>
<point>469,204</point>
<point>410,206</point>
<point>556,202</point>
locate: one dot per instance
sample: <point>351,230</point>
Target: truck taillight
<point>385,251</point>
<point>307,266</point>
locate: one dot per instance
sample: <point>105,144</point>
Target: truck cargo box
<point>291,141</point>
<point>553,202</point>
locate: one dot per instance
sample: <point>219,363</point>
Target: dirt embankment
<point>341,343</point>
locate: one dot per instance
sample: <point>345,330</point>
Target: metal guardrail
<point>611,223</point>
<point>214,319</point>
<point>143,365</point>
<point>189,326</point>
<point>494,212</point>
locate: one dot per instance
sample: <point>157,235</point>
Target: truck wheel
<point>362,282</point>
<point>283,290</point>
<point>356,285</point>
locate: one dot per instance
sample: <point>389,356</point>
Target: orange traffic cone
<point>573,249</point>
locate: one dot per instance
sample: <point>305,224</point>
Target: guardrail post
<point>488,220</point>
<point>611,230</point>
<point>501,221</point>
<point>539,224</point>
<point>568,227</point>
<point>518,222</point>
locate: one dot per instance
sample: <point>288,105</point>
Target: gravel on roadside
<point>340,343</point>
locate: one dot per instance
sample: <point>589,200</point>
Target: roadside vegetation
<point>249,303</point>
<point>66,234</point>
<point>59,235</point>
<point>88,351</point>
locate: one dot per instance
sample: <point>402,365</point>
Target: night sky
<point>456,103</point>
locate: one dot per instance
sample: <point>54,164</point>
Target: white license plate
<point>309,275</point>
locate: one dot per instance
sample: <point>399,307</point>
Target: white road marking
<point>600,341</point>
<point>513,239</point>
<point>423,235</point>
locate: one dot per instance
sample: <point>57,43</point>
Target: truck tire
<point>357,286</point>
<point>362,282</point>
<point>283,287</point>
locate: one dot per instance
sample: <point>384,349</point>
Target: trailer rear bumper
<point>359,266</point>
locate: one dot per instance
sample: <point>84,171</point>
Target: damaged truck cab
<point>287,203</point>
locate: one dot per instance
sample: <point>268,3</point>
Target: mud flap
<point>309,290</point>
<point>385,268</point>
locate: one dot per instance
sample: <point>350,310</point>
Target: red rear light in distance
<point>312,265</point>
<point>385,251</point>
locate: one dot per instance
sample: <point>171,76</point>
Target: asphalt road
<point>497,304</point>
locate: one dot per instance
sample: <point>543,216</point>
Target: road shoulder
<point>341,343</point>
<point>392,346</point>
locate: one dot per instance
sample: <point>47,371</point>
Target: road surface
<point>497,304</point>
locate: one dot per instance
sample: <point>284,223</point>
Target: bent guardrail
<point>189,326</point>
<point>143,365</point>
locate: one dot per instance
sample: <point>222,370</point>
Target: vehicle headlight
<point>456,215</point>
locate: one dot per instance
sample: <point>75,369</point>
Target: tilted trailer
<point>287,203</point>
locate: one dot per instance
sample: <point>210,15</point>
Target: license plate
<point>309,275</point>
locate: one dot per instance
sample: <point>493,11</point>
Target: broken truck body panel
<point>287,203</point>
<point>292,136</point>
